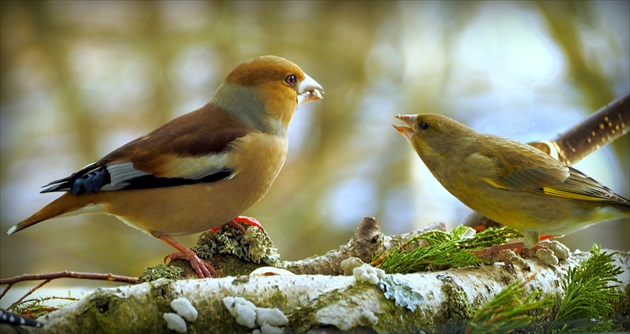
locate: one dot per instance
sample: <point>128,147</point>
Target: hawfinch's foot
<point>203,269</point>
<point>236,223</point>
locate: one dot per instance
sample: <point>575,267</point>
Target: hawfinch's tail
<point>66,205</point>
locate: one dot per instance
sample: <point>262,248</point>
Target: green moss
<point>162,294</point>
<point>253,246</point>
<point>161,271</point>
<point>457,309</point>
<point>415,322</point>
<point>304,319</point>
<point>228,250</point>
<point>115,314</point>
<point>112,314</point>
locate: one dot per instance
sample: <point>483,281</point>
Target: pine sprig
<point>437,250</point>
<point>508,310</point>
<point>590,293</point>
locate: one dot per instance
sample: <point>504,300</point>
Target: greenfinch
<point>200,170</point>
<point>510,182</point>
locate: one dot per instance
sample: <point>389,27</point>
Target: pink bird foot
<point>236,222</point>
<point>202,268</point>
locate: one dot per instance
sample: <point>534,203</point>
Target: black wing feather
<point>93,177</point>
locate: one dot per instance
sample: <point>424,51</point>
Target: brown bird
<point>200,170</point>
<point>510,182</point>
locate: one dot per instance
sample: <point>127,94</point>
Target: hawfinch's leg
<point>203,269</point>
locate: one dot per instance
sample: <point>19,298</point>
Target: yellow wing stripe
<point>494,184</point>
<point>566,194</point>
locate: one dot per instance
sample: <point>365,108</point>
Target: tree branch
<point>445,300</point>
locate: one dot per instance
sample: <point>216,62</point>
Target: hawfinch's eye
<point>290,79</point>
<point>424,125</point>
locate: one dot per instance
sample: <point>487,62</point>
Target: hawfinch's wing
<point>190,149</point>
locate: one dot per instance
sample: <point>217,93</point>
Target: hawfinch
<point>200,170</point>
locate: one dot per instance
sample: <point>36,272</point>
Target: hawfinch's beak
<point>309,90</point>
<point>406,130</point>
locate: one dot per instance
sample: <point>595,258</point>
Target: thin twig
<point>60,274</point>
<point>29,292</point>
<point>43,299</point>
<point>4,292</point>
<point>69,274</point>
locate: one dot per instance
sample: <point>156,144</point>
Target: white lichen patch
<point>270,271</point>
<point>349,264</point>
<point>368,274</point>
<point>546,256</point>
<point>401,292</point>
<point>268,329</point>
<point>514,259</point>
<point>371,317</point>
<point>184,308</point>
<point>270,316</point>
<point>348,314</point>
<point>561,251</point>
<point>175,322</point>
<point>247,314</point>
<point>242,310</point>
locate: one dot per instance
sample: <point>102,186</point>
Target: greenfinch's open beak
<point>406,130</point>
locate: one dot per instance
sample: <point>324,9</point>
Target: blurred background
<point>79,79</point>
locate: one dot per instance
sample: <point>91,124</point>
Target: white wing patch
<point>120,175</point>
<point>196,167</point>
<point>192,168</point>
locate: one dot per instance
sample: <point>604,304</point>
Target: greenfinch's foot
<point>496,252</point>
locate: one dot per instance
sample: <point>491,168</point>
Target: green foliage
<point>437,250</point>
<point>590,293</point>
<point>508,310</point>
<point>34,308</point>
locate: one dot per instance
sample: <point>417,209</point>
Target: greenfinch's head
<point>432,133</point>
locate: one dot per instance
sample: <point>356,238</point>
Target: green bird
<point>510,182</point>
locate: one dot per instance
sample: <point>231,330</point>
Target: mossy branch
<point>438,250</point>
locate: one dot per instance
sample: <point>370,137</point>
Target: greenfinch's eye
<point>290,79</point>
<point>424,125</point>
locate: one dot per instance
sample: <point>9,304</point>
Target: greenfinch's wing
<point>581,186</point>
<point>521,167</point>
